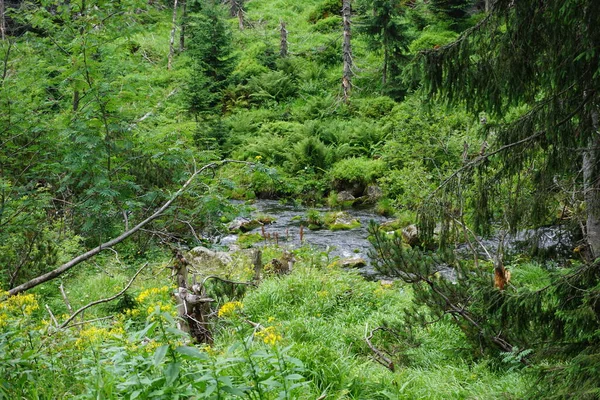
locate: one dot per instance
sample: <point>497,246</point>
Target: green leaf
<point>192,352</point>
<point>159,354</point>
<point>293,377</point>
<point>172,372</point>
<point>233,390</point>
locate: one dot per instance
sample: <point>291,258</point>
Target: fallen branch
<point>89,254</point>
<point>380,357</point>
<point>106,300</point>
<point>51,315</point>
<point>225,280</point>
<point>89,321</point>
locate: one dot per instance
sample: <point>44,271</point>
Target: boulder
<point>243,224</point>
<point>374,193</point>
<point>345,196</point>
<point>352,262</point>
<point>340,220</point>
<point>201,256</point>
<point>410,235</point>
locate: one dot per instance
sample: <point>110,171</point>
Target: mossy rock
<point>352,262</point>
<point>243,225</point>
<point>266,219</point>
<point>391,226</point>
<point>340,220</point>
<point>247,240</point>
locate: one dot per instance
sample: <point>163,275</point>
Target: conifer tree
<point>382,23</point>
<point>210,48</point>
<point>542,58</point>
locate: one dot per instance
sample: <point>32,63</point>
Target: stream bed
<point>553,242</point>
<point>344,244</point>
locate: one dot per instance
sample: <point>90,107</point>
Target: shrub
<point>272,85</point>
<point>360,171</point>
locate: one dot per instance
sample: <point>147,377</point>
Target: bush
<point>431,39</point>
<point>374,107</point>
<point>356,171</point>
<point>272,85</point>
<point>324,10</point>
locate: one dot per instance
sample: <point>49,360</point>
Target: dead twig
<point>105,300</point>
<point>89,321</point>
<point>380,356</point>
<point>51,315</point>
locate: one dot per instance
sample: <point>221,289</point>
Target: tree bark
<point>2,21</point>
<point>172,41</point>
<point>591,188</point>
<point>240,15</point>
<point>347,50</point>
<point>283,46</point>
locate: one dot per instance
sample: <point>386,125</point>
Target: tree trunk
<point>591,188</point>
<point>385,65</point>
<point>283,46</point>
<point>182,29</point>
<point>172,42</point>
<point>2,21</point>
<point>75,100</point>
<point>240,15</point>
<point>347,50</point>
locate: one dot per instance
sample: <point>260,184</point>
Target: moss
<point>247,240</point>
<point>341,227</point>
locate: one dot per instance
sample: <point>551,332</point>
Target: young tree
<point>382,23</point>
<point>454,9</point>
<point>210,48</point>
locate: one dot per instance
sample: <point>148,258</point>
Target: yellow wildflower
<point>269,335</point>
<point>230,308</point>
<point>92,335</point>
<point>151,346</point>
<point>152,292</point>
<point>26,303</point>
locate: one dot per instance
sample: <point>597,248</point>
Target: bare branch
<point>380,357</point>
<point>91,253</point>
<point>105,300</point>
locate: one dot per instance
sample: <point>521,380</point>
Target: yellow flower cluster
<point>151,293</point>
<point>230,308</point>
<point>94,335</point>
<point>91,335</point>
<point>269,335</point>
<point>25,304</point>
<point>163,308</point>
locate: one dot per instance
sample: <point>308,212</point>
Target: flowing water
<point>344,244</point>
<point>546,242</point>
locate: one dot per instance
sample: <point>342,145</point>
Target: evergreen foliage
<point>382,21</point>
<point>211,56</point>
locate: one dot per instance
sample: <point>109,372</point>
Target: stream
<point>552,242</point>
<point>344,244</point>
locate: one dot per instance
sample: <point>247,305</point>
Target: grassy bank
<point>295,336</point>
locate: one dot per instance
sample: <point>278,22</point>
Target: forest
<point>317,199</point>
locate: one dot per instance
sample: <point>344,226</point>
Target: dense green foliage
<point>477,123</point>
